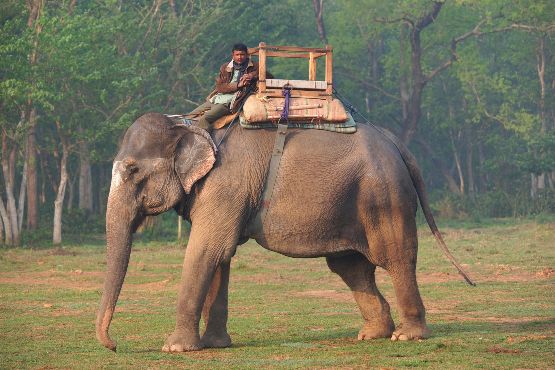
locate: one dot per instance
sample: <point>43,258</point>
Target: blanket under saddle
<point>316,113</point>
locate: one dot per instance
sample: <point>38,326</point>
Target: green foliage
<point>540,157</point>
<point>101,64</point>
<point>162,228</point>
<point>493,204</point>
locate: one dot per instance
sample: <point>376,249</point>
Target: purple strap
<point>287,93</point>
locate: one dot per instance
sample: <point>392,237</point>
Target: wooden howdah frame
<point>300,88</point>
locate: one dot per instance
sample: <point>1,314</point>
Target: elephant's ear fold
<point>195,155</point>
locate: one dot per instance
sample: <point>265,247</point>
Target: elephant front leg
<point>215,311</point>
<point>199,267</point>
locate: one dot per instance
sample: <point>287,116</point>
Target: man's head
<point>239,53</point>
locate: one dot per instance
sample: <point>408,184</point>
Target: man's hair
<point>240,47</point>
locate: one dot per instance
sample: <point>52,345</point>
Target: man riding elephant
<point>231,88</point>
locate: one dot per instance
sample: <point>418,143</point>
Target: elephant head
<point>157,165</point>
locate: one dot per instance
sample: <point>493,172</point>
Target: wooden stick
<point>276,93</point>
<point>262,66</point>
<point>312,68</point>
<point>284,54</point>
<point>289,48</point>
<point>329,69</point>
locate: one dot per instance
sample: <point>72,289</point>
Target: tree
<point>15,90</point>
<point>35,9</point>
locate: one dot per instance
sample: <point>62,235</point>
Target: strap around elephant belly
<point>272,176</point>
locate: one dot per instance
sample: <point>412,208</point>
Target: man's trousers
<point>211,114</point>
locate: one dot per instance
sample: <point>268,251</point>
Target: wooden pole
<point>329,70</point>
<point>262,67</point>
<point>312,67</point>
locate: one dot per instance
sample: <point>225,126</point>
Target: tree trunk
<point>457,163</point>
<point>31,151</point>
<point>103,178</point>
<point>1,228</point>
<point>173,8</point>
<point>319,14</point>
<point>404,87</point>
<point>482,175</point>
<point>85,179</point>
<point>454,148</point>
<point>21,205</point>
<point>8,169</point>
<point>411,95</point>
<point>42,194</point>
<point>374,49</point>
<point>533,185</point>
<point>451,183</point>
<point>469,164</point>
<point>35,8</point>
<point>540,180</point>
<point>541,78</point>
<point>71,192</point>
<point>59,202</point>
<point>418,83</point>
<point>6,222</point>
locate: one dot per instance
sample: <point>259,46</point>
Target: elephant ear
<point>195,155</point>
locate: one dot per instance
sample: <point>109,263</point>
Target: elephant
<point>351,198</point>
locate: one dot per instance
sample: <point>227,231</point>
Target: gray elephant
<point>351,198</point>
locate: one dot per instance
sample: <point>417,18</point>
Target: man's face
<point>239,56</point>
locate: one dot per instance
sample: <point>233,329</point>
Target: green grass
<point>288,313</point>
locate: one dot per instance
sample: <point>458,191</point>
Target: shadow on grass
<point>439,331</point>
<point>443,331</point>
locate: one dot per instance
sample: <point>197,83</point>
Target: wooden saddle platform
<point>310,103</point>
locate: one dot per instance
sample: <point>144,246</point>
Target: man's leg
<point>201,109</point>
<point>210,116</point>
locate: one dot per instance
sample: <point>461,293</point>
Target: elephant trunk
<point>119,227</point>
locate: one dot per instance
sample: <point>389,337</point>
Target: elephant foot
<point>411,331</point>
<point>212,340</point>
<point>375,331</point>
<point>181,343</point>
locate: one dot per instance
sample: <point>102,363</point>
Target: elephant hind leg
<point>411,309</point>
<point>358,273</point>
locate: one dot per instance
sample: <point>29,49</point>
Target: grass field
<point>288,313</point>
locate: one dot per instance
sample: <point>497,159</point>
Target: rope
<point>347,104</point>
<point>286,92</point>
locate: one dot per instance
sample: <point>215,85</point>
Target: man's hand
<point>244,81</point>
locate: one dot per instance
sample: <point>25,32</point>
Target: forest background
<point>469,85</point>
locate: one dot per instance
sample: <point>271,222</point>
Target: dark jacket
<point>225,86</point>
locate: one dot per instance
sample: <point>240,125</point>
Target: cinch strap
<point>272,175</point>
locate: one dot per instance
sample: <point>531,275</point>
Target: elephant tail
<point>418,183</point>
